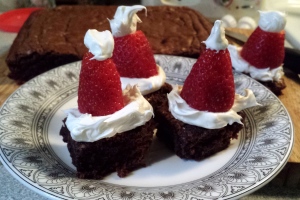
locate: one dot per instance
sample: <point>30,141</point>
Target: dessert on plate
<point>201,117</point>
<point>133,55</point>
<point>262,55</point>
<point>111,130</point>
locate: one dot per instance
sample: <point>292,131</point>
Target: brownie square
<point>122,153</point>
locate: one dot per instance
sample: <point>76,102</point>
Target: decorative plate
<point>33,152</point>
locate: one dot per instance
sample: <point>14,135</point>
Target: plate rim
<point>249,190</point>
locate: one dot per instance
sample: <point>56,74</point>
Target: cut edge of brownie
<point>49,61</point>
<point>122,153</point>
<point>155,98</point>
<point>275,86</point>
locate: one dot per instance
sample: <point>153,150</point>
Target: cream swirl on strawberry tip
<point>125,20</point>
<point>137,111</point>
<point>269,21</point>
<point>216,40</point>
<point>100,44</point>
<point>210,120</point>
<point>272,21</point>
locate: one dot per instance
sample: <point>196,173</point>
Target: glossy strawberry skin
<point>133,56</point>
<point>210,84</point>
<point>99,91</point>
<point>264,49</point>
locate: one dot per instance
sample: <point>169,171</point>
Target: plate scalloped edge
<point>261,156</point>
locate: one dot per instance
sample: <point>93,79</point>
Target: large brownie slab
<point>53,37</point>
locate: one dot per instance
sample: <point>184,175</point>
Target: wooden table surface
<point>290,98</point>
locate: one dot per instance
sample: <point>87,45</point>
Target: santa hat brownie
<point>207,98</point>
<point>265,46</point>
<point>262,55</point>
<point>210,84</point>
<point>132,54</point>
<point>99,91</point>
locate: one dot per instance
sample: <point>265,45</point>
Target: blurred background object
<point>98,2</point>
<point>6,5</point>
<point>34,3</point>
<point>216,9</point>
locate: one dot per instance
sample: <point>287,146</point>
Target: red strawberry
<point>133,56</point>
<point>99,91</point>
<point>264,49</point>
<point>210,84</point>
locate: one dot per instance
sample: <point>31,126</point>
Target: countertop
<point>283,187</point>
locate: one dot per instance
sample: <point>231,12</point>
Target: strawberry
<point>133,56</point>
<point>99,91</point>
<point>264,49</point>
<point>210,84</point>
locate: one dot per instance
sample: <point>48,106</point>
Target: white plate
<point>33,152</point>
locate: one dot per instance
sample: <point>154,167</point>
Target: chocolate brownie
<point>275,86</point>
<point>53,37</point>
<point>123,152</point>
<point>155,98</point>
<point>192,142</point>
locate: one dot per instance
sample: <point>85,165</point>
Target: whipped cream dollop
<point>210,120</point>
<point>216,40</point>
<point>146,85</point>
<point>240,65</point>
<point>100,44</point>
<point>125,20</point>
<point>88,128</point>
<point>272,21</point>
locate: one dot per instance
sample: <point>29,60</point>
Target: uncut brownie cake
<point>53,37</point>
<point>201,117</point>
<point>262,56</point>
<point>111,130</point>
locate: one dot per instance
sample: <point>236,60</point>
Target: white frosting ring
<point>210,120</point>
<point>240,65</point>
<point>146,85</point>
<point>87,128</point>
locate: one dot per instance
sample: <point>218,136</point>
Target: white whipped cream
<point>86,128</point>
<point>146,85</point>
<point>100,44</point>
<point>240,65</point>
<point>216,39</point>
<point>210,120</point>
<point>272,21</point>
<point>125,20</point>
